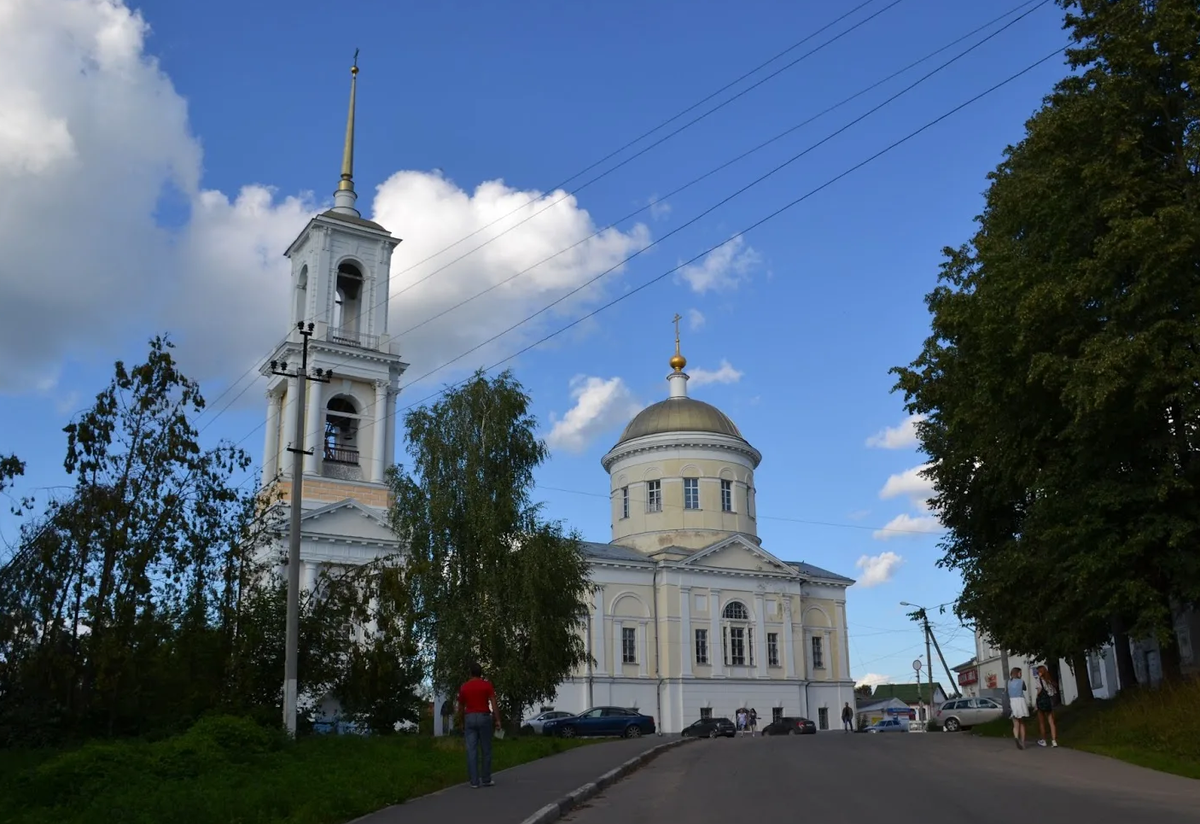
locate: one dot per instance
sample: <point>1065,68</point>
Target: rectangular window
<point>701,646</point>
<point>654,496</point>
<point>748,510</point>
<point>823,718</point>
<point>624,502</point>
<point>776,714</point>
<point>628,645</point>
<point>772,649</point>
<point>818,655</point>
<point>737,646</point>
<point>705,713</point>
<point>691,493</point>
<point>727,496</point>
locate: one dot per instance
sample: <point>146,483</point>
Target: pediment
<point>740,554</point>
<point>346,520</point>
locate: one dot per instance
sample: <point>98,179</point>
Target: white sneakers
<point>1042,743</point>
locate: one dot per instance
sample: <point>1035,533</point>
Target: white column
<point>308,575</point>
<point>314,433</point>
<point>380,433</point>
<point>789,640</point>
<point>760,635</point>
<point>844,628</point>
<point>270,459</point>
<point>598,630</point>
<point>289,429</point>
<point>686,642</point>
<point>827,644</point>
<point>390,440</point>
<point>644,646</point>
<point>715,652</point>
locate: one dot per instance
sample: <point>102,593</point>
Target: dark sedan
<point>710,728</point>
<point>790,726</point>
<point>620,721</point>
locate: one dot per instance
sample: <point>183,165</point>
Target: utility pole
<point>292,649</point>
<point>922,615</point>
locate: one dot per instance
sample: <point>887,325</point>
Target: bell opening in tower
<point>347,305</point>
<point>341,440</point>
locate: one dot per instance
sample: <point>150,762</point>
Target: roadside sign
<point>917,664</point>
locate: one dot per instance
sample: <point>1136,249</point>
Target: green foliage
<point>229,769</point>
<point>1060,379</point>
<point>142,602</point>
<point>491,581</point>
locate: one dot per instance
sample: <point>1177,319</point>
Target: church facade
<point>690,615</point>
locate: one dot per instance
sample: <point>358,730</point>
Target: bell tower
<point>339,283</point>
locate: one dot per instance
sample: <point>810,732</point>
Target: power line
<point>702,177</point>
<point>609,171</point>
<point>696,181</point>
<point>772,215</point>
<point>672,119</point>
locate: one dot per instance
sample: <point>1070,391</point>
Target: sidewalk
<point>520,791</point>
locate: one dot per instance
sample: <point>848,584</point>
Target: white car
<point>889,725</point>
<point>537,721</point>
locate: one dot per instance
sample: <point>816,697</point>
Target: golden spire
<point>678,361</point>
<point>347,181</point>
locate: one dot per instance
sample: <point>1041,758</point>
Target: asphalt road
<point>901,778</point>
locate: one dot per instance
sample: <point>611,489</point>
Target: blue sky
<point>142,196</point>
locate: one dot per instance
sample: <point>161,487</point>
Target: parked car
<point>962,713</point>
<point>710,728</point>
<point>889,725</point>
<point>620,721</point>
<point>535,724</point>
<point>790,725</point>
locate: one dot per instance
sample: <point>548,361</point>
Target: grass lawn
<point>1155,728</point>
<point>227,770</point>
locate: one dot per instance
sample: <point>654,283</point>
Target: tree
<point>490,580</point>
<point>1060,379</point>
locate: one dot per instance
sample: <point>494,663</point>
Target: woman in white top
<point>1020,707</point>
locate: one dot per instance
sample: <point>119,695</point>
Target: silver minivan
<point>967,712</point>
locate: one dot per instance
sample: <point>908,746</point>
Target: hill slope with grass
<point>229,769</point>
<point>1154,728</point>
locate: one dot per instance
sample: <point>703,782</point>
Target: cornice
<point>677,440</point>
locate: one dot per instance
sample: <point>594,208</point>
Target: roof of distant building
<point>908,693</point>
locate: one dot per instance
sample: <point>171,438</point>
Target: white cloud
<point>695,319</point>
<point>907,526</point>
<point>908,483</point>
<point>873,679</point>
<point>878,569</point>
<point>659,209</point>
<point>725,373</point>
<point>92,135</point>
<point>600,405</point>
<point>723,268</point>
<point>897,437</point>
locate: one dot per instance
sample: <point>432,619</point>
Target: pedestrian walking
<point>481,717</point>
<point>1020,706</point>
<point>1046,690</point>
<point>847,718</point>
<point>753,720</point>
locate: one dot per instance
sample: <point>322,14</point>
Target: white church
<point>690,617</point>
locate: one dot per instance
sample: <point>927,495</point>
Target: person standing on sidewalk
<point>847,718</point>
<point>481,716</point>
<point>1045,706</point>
<point>1020,706</point>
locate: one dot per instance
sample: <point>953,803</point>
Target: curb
<point>553,812</point>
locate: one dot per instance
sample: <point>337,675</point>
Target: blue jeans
<point>478,730</point>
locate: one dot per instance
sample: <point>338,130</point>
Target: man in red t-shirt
<point>481,716</point>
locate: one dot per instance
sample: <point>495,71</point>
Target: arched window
<point>347,302</point>
<point>300,311</point>
<point>341,431</point>
<point>737,639</point>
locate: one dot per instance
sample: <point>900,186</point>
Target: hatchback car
<point>535,724</point>
<point>620,721</point>
<point>962,713</point>
<point>889,725</point>
<point>710,728</point>
<point>790,725</point>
